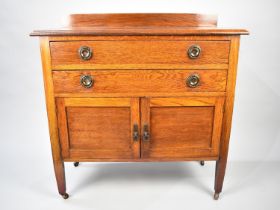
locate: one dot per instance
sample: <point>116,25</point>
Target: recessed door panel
<point>181,127</point>
<point>98,127</point>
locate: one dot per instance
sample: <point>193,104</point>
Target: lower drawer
<point>140,81</point>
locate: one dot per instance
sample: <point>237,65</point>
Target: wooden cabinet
<point>140,87</point>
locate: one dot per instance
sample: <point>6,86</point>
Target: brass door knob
<point>85,53</point>
<point>194,51</point>
<point>193,80</point>
<point>86,81</point>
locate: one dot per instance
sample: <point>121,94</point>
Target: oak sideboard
<point>139,88</point>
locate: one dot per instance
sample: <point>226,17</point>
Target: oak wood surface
<point>143,81</point>
<point>135,120</point>
<point>181,127</point>
<point>177,128</point>
<point>63,126</point>
<point>140,24</point>
<point>139,54</point>
<point>51,110</point>
<point>227,119</point>
<point>140,31</point>
<point>142,19</point>
<point>139,94</point>
<point>142,38</point>
<point>99,127</point>
<point>166,159</point>
<point>98,102</point>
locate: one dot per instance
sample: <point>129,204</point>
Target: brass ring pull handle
<point>85,53</point>
<point>193,81</point>
<point>146,135</point>
<point>87,81</point>
<point>194,51</point>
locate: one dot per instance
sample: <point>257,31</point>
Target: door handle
<point>146,134</point>
<point>135,132</point>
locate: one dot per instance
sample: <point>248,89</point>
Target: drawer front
<point>139,81</point>
<point>139,55</point>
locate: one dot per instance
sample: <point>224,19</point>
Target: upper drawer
<point>140,55</point>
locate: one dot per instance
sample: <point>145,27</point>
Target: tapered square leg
<point>219,176</point>
<point>60,178</point>
<point>53,124</point>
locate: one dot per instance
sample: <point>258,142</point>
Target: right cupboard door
<point>181,127</point>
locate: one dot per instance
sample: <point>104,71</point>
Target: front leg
<point>60,177</point>
<point>227,118</point>
<point>219,176</point>
<point>52,118</point>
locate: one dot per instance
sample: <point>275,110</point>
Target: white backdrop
<point>24,134</point>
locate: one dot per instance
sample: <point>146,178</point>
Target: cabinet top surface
<point>140,24</point>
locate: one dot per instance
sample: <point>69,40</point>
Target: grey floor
<point>139,186</point>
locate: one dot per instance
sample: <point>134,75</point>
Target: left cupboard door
<point>99,128</point>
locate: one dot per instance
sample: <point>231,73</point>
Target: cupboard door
<point>175,128</point>
<point>99,128</point>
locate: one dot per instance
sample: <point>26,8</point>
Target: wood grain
<point>142,81</point>
<point>135,120</point>
<point>141,94</point>
<point>63,127</point>
<point>51,109</point>
<point>167,159</point>
<point>140,31</point>
<point>181,101</point>
<point>99,129</point>
<point>227,119</point>
<point>140,24</point>
<point>182,127</point>
<point>145,120</point>
<point>100,125</point>
<point>194,37</point>
<point>97,102</point>
<point>142,20</point>
<point>139,55</point>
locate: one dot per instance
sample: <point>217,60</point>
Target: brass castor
<point>76,164</point>
<point>65,196</point>
<point>216,196</point>
<point>202,163</point>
